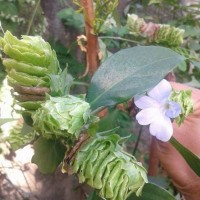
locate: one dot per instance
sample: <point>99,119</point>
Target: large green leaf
<point>149,192</point>
<point>192,159</point>
<point>152,192</point>
<point>130,72</point>
<point>48,154</point>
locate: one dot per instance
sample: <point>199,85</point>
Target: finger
<point>188,133</point>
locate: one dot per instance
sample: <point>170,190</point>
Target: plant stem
<point>119,38</point>
<point>80,83</point>
<point>138,140</point>
<point>98,110</point>
<point>153,158</point>
<point>92,39</point>
<point>71,153</point>
<point>195,59</point>
<point>1,28</point>
<point>32,17</point>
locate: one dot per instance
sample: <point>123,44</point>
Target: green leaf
<point>8,9</point>
<point>155,2</point>
<point>117,118</point>
<point>60,84</point>
<point>192,159</point>
<point>5,120</point>
<point>168,2</point>
<point>71,18</point>
<point>130,72</point>
<point>48,155</point>
<point>26,128</point>
<point>182,66</point>
<point>20,135</point>
<point>196,64</point>
<point>93,196</point>
<point>152,192</point>
<point>149,192</point>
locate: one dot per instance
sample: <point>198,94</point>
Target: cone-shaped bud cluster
<point>103,165</point>
<point>28,62</point>
<point>158,33</point>
<point>135,24</point>
<point>170,35</point>
<point>182,51</point>
<point>61,117</point>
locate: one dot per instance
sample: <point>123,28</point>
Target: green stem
<point>98,110</point>
<point>32,17</point>
<point>119,38</point>
<point>138,140</point>
<point>80,83</point>
<point>1,28</point>
<point>195,59</point>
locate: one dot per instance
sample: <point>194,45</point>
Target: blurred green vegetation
<point>15,16</point>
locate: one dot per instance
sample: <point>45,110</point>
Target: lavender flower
<point>158,110</point>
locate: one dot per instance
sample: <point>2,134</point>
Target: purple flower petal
<point>162,129</point>
<point>145,102</point>
<point>161,91</point>
<point>147,116</point>
<point>174,110</point>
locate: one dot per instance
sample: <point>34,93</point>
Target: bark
<point>92,39</point>
<point>121,6</point>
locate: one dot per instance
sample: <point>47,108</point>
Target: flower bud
<point>103,165</point>
<point>184,99</point>
<point>135,24</point>
<point>61,117</point>
<point>158,33</point>
<point>31,50</point>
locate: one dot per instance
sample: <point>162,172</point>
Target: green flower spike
<point>135,24</point>
<point>160,33</point>
<point>168,34</point>
<point>103,165</point>
<point>32,51</point>
<point>61,117</point>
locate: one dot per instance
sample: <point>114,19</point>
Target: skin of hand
<point>188,134</point>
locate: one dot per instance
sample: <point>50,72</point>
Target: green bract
<point>183,98</point>
<point>61,117</point>
<point>103,165</point>
<point>135,24</point>
<point>32,50</point>
<point>28,62</point>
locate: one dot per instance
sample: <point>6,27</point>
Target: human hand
<point>188,134</point>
